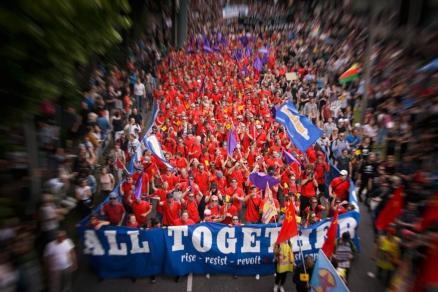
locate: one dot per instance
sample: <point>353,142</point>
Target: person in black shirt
<point>137,117</point>
<point>304,268</point>
<point>365,177</point>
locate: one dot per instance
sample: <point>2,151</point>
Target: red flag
<point>392,209</point>
<point>428,271</point>
<point>430,216</point>
<point>119,163</point>
<point>289,228</point>
<point>329,244</point>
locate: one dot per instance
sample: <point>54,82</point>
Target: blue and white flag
<point>325,277</point>
<point>152,144</point>
<point>301,131</point>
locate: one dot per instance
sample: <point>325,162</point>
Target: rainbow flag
<point>350,75</point>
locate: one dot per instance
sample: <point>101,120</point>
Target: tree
<point>43,40</point>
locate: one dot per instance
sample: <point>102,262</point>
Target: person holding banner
<point>284,259</point>
<point>141,211</point>
<point>340,186</point>
<point>171,210</point>
<point>113,210</point>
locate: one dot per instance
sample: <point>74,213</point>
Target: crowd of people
<point>212,86</point>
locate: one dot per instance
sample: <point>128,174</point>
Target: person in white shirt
<point>60,259</point>
<point>140,93</point>
<point>133,128</point>
<point>134,146</point>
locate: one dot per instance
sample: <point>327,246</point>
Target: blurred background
<point>57,55</point>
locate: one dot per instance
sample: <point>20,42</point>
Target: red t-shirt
<point>127,189</point>
<point>128,224</point>
<point>252,215</point>
<point>179,222</point>
<point>341,189</point>
<point>140,208</point>
<point>192,207</point>
<point>239,192</point>
<point>308,189</point>
<point>170,215</point>
<point>232,210</point>
<point>114,213</point>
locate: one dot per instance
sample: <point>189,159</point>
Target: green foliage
<point>43,40</point>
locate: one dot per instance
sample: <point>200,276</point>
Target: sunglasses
<point>191,196</point>
<point>112,198</point>
<point>235,219</point>
<point>214,200</point>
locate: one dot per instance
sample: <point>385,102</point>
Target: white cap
<point>207,212</point>
<point>259,127</point>
<point>357,125</point>
<point>344,172</point>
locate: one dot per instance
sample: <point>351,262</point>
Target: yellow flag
<point>304,277</point>
<point>164,128</point>
<point>206,163</point>
<point>187,106</point>
<point>178,123</point>
<point>240,107</point>
<point>227,126</point>
<point>285,185</point>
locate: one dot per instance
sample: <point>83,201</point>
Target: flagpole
<point>302,256</point>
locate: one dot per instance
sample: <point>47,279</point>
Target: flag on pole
<point>289,228</point>
<point>207,50</point>
<point>329,244</point>
<point>269,209</point>
<point>232,143</point>
<point>324,277</point>
<point>427,271</point>
<point>152,144</point>
<point>290,158</point>
<point>392,209</point>
<point>260,180</point>
<point>119,163</point>
<point>299,128</point>
<point>430,215</point>
<point>138,186</point>
<point>202,85</point>
<point>350,75</point>
<point>258,64</point>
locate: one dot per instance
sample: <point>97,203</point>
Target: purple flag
<point>258,64</point>
<point>274,111</point>
<point>265,59</point>
<point>197,43</point>
<point>232,143</point>
<point>190,184</point>
<point>263,51</point>
<point>202,86</point>
<point>219,36</point>
<point>207,50</point>
<point>245,70</point>
<point>138,186</point>
<point>206,42</point>
<point>290,158</point>
<point>224,42</point>
<point>260,180</point>
<point>248,52</point>
<point>244,40</point>
<point>217,49</point>
<point>190,50</point>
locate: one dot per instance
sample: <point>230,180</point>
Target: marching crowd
<point>215,85</point>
